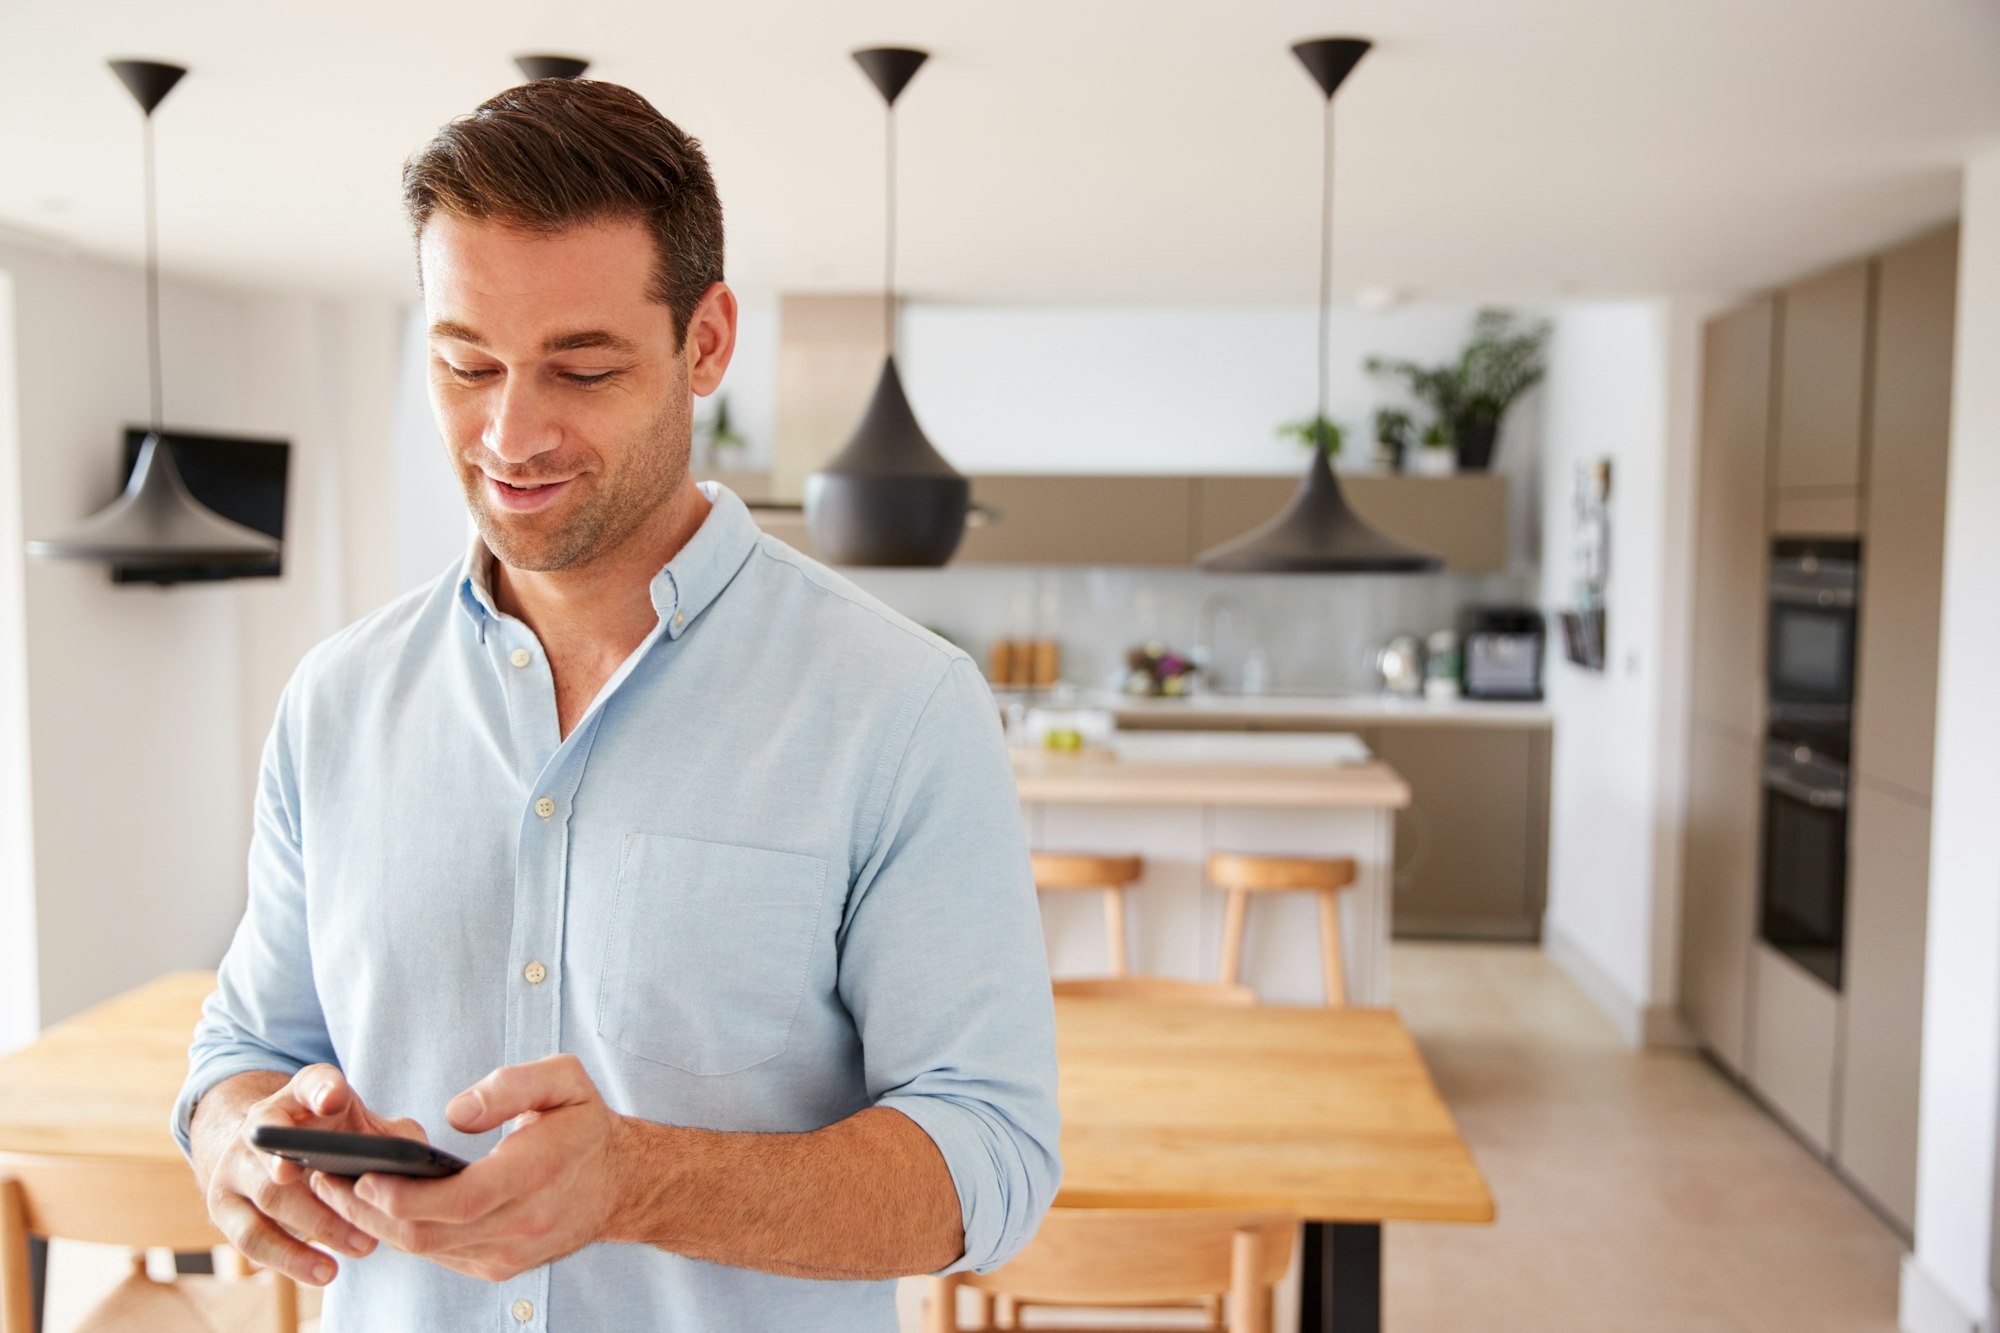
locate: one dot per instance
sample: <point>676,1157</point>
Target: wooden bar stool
<point>1243,875</point>
<point>1070,871</point>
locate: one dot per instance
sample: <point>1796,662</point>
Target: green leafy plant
<point>1504,360</point>
<point>1308,431</point>
<point>1394,427</point>
<point>1436,435</point>
<point>717,433</point>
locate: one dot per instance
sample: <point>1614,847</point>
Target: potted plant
<point>720,444</point>
<point>1503,361</point>
<point>1395,431</point>
<point>1436,454</point>
<point>1327,433</point>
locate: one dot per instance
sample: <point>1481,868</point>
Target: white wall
<point>1948,1282</point>
<point>20,1005</point>
<point>147,707</point>
<point>1148,389</point>
<point>1620,387</point>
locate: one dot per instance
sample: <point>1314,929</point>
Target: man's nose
<point>521,425</point>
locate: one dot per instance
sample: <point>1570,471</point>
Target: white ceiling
<point>1056,150</point>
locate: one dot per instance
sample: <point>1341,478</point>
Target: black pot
<point>1475,446</point>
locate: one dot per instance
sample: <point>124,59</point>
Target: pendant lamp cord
<point>152,276</point>
<point>1325,277</point>
<point>889,246</point>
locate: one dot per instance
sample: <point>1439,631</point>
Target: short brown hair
<point>557,153</point>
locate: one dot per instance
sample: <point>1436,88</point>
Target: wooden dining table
<point>1328,1114</point>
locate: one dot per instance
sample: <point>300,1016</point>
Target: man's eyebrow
<point>574,341</point>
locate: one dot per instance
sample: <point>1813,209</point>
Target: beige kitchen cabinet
<point>1822,377</point>
<point>1719,889</point>
<point>1472,847</point>
<point>1731,560</point>
<point>1817,513</point>
<point>1902,559</point>
<point>1882,987</point>
<point>1461,518</point>
<point>1079,520</point>
<point>1794,1042</point>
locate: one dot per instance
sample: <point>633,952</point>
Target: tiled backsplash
<point>1318,632</point>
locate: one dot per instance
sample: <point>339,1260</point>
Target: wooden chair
<point>1064,872</point>
<point>1130,1257</point>
<point>1243,875</point>
<point>109,1201</point>
<point>1156,988</point>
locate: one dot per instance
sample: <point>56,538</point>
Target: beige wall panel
<point>1834,512</point>
<point>1903,560</point>
<point>829,356</point>
<point>1883,990</point>
<point>1822,378</point>
<point>1080,520</point>
<point>1719,890</point>
<point>1731,560</point>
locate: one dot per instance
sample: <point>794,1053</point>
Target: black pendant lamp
<point>1317,533</point>
<point>551,67</point>
<point>888,497</point>
<point>157,520</point>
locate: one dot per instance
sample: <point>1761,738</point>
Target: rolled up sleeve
<point>943,968</point>
<point>264,1013</point>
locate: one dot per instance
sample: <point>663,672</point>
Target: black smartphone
<point>355,1154</point>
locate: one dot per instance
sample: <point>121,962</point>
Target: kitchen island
<point>1174,799</point>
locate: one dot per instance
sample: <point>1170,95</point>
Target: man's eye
<point>464,376</point>
<point>588,379</point>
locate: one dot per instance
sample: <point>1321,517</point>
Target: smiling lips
<point>531,495</point>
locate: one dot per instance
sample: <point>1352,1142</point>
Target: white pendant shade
<point>158,521</point>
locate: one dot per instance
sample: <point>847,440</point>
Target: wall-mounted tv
<point>238,477</point>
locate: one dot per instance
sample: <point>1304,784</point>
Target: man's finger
<point>513,1090</point>
<point>337,1192</point>
<point>303,1216</point>
<point>322,1089</point>
<point>263,1242</point>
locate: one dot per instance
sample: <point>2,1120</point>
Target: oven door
<point>1804,892</point>
<point>1811,653</point>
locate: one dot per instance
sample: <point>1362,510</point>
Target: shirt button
<point>535,973</point>
<point>521,657</point>
<point>679,620</point>
<point>524,1311</point>
<point>545,807</point>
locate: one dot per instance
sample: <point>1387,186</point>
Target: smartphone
<point>355,1154</point>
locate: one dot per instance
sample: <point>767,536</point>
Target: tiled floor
<point>1638,1192</point>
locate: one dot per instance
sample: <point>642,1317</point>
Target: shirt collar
<point>682,590</point>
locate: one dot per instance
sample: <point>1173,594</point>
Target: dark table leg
<point>195,1261</point>
<point>1340,1278</point>
<point>38,1279</point>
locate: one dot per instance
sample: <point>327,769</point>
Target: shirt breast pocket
<point>709,951</point>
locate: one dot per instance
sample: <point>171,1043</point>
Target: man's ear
<point>711,339</point>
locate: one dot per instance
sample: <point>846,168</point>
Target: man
<point>639,837</point>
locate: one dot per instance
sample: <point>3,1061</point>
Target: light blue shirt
<point>775,875</point>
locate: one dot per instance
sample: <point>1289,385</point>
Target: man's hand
<point>261,1202</point>
<point>550,1188</point>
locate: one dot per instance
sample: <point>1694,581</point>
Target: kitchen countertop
<point>1162,769</point>
<point>1362,709</point>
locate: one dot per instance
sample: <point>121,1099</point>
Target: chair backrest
<point>111,1201</point>
<point>1141,1256</point>
<point>1156,988</point>
<point>1252,874</point>
<point>1080,870</point>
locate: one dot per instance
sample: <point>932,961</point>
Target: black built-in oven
<point>1814,609</point>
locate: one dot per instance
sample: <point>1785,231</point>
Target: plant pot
<point>1475,446</point>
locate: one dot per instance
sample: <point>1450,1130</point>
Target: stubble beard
<point>617,505</point>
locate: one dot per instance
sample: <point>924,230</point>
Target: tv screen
<point>239,478</point>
